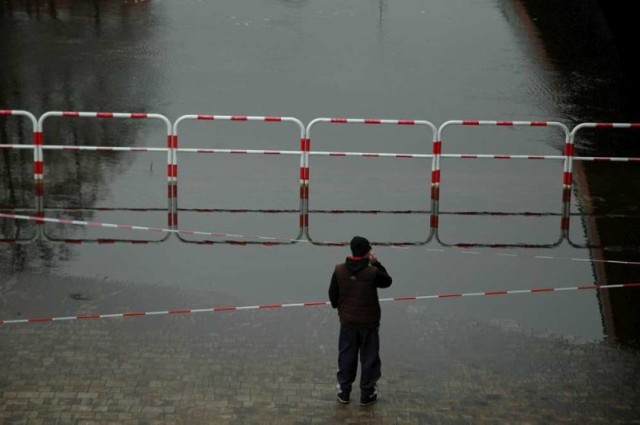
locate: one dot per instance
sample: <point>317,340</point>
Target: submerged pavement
<point>277,366</point>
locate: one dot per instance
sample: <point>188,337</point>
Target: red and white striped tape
<point>184,311</point>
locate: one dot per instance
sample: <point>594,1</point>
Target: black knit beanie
<point>360,246</point>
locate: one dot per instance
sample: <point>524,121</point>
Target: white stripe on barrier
<point>501,156</point>
<point>306,304</point>
<point>241,151</point>
<point>102,148</point>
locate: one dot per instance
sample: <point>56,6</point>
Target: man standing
<point>354,292</point>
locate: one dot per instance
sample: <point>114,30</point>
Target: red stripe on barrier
<point>371,155</point>
<point>206,117</point>
<point>224,308</point>
<point>496,293</point>
<point>466,156</point>
<point>604,125</point>
<point>434,221</point>
<point>470,122</point>
<point>502,156</point>
<point>315,303</point>
<point>437,147</point>
<point>402,155</point>
<point>568,178</point>
<point>267,306</point>
<point>38,188</point>
<point>37,138</point>
<point>435,176</point>
<point>5,112</point>
<point>535,157</point>
<point>569,149</point>
<point>505,123</point>
<point>88,317</point>
<point>337,154</point>
<point>304,173</point>
<point>564,223</point>
<point>38,167</point>
<point>70,114</point>
<point>543,290</point>
<point>72,241</point>
<point>134,313</point>
<point>339,120</point>
<point>449,295</point>
<point>239,118</point>
<point>588,287</point>
<point>406,122</point>
<point>635,125</point>
<point>41,319</point>
<point>104,115</point>
<point>181,311</point>
<point>139,115</point>
<point>272,152</point>
<point>631,285</point>
<point>435,193</point>
<point>404,298</point>
<point>538,123</point>
<point>372,121</point>
<point>106,241</point>
<point>238,151</point>
<point>273,119</point>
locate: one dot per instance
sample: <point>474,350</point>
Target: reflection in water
<point>69,55</point>
<point>588,62</point>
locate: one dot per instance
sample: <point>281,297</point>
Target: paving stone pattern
<point>277,367</point>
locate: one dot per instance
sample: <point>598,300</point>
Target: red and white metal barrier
<point>568,153</point>
<point>110,115</point>
<point>242,118</point>
<point>368,121</point>
<point>183,311</point>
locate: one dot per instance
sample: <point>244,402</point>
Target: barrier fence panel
<point>566,175</point>
<point>435,146</point>
<point>177,151</point>
<point>593,200</point>
<point>37,174</point>
<point>105,149</point>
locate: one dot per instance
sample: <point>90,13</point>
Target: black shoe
<point>343,397</point>
<point>368,399</point>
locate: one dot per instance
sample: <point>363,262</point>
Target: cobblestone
<point>235,368</point>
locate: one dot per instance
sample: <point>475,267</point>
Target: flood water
<point>434,61</point>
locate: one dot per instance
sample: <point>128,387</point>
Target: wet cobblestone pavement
<point>235,368</point>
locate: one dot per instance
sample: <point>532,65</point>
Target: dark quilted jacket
<point>354,292</point>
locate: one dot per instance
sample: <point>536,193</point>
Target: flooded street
<point>500,225</point>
